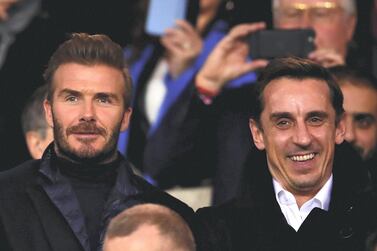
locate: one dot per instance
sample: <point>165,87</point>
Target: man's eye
<point>283,123</point>
<point>315,121</point>
<point>71,99</point>
<point>364,123</point>
<point>104,100</point>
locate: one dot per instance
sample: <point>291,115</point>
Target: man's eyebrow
<point>320,114</point>
<point>68,91</point>
<point>278,115</point>
<point>363,115</point>
<point>107,95</point>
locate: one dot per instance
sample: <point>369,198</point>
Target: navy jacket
<point>39,210</point>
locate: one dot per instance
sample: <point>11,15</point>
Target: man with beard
<point>360,104</point>
<point>65,200</point>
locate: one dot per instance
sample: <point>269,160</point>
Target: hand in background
<point>229,59</point>
<point>327,57</point>
<point>183,44</point>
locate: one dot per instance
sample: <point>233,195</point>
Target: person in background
<point>334,23</point>
<point>162,69</point>
<point>148,227</point>
<point>28,37</point>
<point>360,104</point>
<point>63,201</point>
<point>38,134</point>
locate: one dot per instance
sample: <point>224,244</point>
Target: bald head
<point>148,227</point>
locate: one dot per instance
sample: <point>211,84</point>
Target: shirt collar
<point>322,197</point>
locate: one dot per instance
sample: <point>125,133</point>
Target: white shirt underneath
<point>155,91</point>
<point>295,216</point>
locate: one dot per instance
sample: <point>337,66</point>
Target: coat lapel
<point>58,233</point>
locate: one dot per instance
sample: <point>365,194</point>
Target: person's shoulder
<point>233,212</point>
<point>153,194</point>
<point>19,176</point>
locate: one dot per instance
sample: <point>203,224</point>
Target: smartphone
<point>277,43</point>
<point>162,14</point>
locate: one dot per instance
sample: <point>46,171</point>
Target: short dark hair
<point>89,50</point>
<point>296,68</point>
<point>168,222</point>
<point>354,76</point>
<point>33,114</point>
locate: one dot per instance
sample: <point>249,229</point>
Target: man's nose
<point>350,131</point>
<point>306,21</point>
<point>88,112</point>
<point>302,135</point>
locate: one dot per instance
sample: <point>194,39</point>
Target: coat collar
<point>350,179</point>
<point>61,194</point>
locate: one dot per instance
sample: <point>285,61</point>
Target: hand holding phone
<point>162,14</point>
<point>277,43</point>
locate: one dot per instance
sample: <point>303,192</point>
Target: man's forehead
<point>309,2</point>
<point>288,94</point>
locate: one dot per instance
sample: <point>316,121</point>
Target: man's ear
<point>48,112</point>
<point>126,119</point>
<point>340,130</point>
<point>33,142</point>
<point>257,134</point>
<point>351,24</point>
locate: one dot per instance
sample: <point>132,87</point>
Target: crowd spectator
<point>148,227</point>
<point>38,134</point>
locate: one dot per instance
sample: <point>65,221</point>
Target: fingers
<point>327,57</point>
<point>242,30</point>
<point>171,45</point>
<point>246,68</point>
<point>238,33</point>
<point>185,26</point>
<point>183,38</point>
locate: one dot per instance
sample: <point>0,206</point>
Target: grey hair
<point>348,5</point>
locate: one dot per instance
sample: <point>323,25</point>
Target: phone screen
<point>162,14</point>
<point>281,43</point>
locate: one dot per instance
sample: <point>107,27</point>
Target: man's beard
<point>85,153</point>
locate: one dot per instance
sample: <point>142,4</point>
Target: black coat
<point>39,211</point>
<point>255,221</point>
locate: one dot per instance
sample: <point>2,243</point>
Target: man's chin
<point>87,154</point>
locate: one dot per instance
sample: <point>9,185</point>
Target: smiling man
<point>299,198</point>
<point>65,200</point>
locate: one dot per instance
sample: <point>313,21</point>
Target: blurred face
<point>360,104</point>
<point>87,111</point>
<point>137,241</point>
<point>298,132</point>
<point>333,26</point>
<point>4,7</point>
<point>37,144</point>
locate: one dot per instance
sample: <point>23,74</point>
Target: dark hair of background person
<point>33,115</point>
<point>168,222</point>
<point>89,50</point>
<point>296,68</point>
<point>355,76</point>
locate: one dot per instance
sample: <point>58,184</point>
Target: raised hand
<point>229,59</point>
<point>183,44</point>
